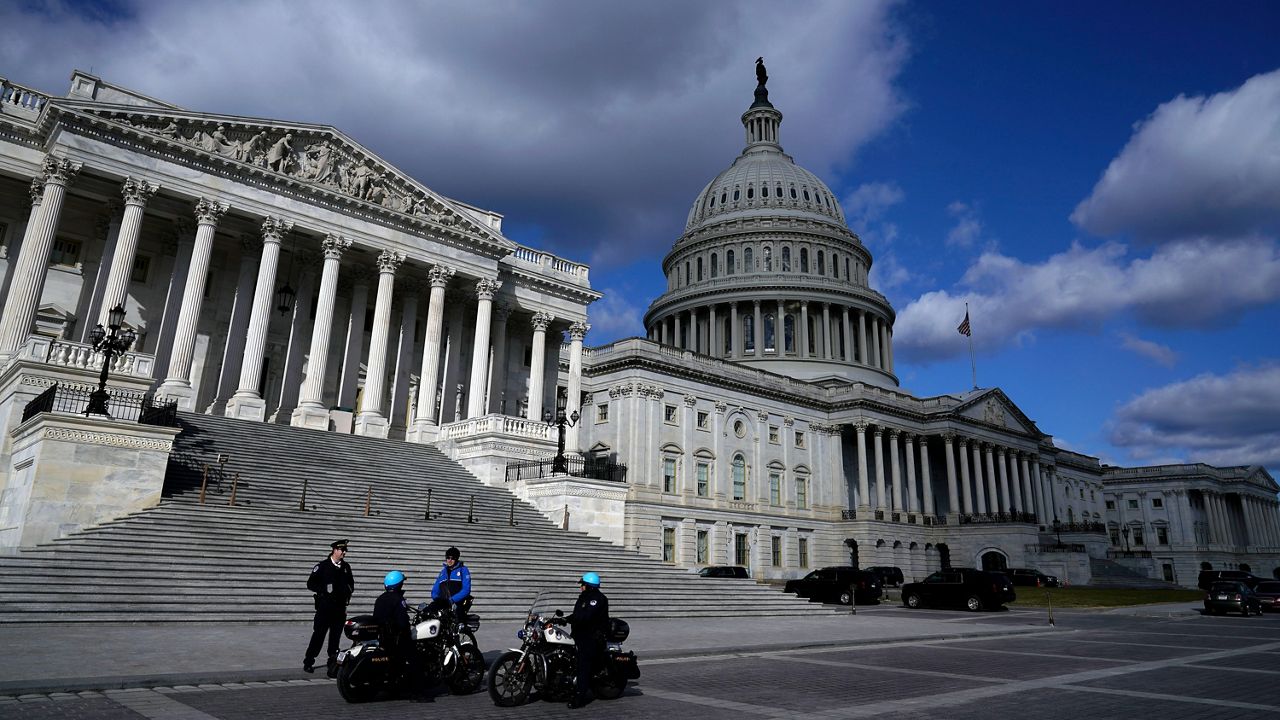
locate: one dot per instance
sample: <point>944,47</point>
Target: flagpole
<point>973,366</point>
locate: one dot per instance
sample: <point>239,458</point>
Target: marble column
<point>965,483</point>
<point>804,328</point>
<point>993,503</point>
<point>895,469</point>
<point>979,486</point>
<point>679,333</point>
<point>926,482</point>
<point>862,337</point>
<point>114,216</point>
<point>33,261</point>
<point>237,329</point>
<point>578,331</point>
<point>538,356</point>
<point>1028,497</point>
<point>485,290</point>
<point>780,330</point>
<point>177,382</point>
<point>406,342</point>
<point>498,371</point>
<point>735,332</point>
<point>311,411</point>
<point>370,420</point>
<point>846,333</point>
<point>888,345</point>
<point>1006,500</point>
<point>353,345</point>
<point>291,377</point>
<point>827,352</point>
<point>913,489</point>
<point>247,404</point>
<point>136,194</point>
<point>181,248</point>
<point>714,343</point>
<point>424,427</point>
<point>864,492</point>
<point>875,342</point>
<point>881,498</point>
<point>953,495</point>
<point>758,324</point>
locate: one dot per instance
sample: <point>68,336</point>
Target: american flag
<point>964,326</point>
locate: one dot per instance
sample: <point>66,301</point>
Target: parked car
<point>1231,596</point>
<point>1031,577</point>
<point>1209,577</point>
<point>1268,592</point>
<point>723,571</point>
<point>962,587</point>
<point>890,576</point>
<point>834,583</point>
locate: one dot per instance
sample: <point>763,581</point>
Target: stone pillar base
<point>371,424</point>
<point>422,432</point>
<point>246,407</point>
<point>177,390</point>
<point>315,417</point>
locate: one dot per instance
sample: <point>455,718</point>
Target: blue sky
<point>1101,181</point>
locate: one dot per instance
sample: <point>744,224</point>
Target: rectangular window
<point>775,551</point>
<point>141,268</point>
<point>739,479</point>
<point>669,544</point>
<point>1133,504</point>
<point>65,252</point>
<point>1157,502</point>
<point>1111,504</point>
<point>775,488</point>
<point>773,434</point>
<point>704,478</point>
<point>669,475</point>
<point>740,548</point>
<point>1162,536</point>
<point>802,494</point>
<point>803,544</point>
<point>799,439</point>
<point>1137,536</point>
<point>1115,537</point>
<point>602,412</point>
<point>702,547</point>
<point>703,419</point>
<point>669,414</point>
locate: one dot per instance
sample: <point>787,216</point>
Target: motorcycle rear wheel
<point>509,687</point>
<point>350,686</point>
<point>470,673</point>
<point>607,687</point>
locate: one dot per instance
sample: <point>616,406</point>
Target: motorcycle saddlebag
<point>624,665</point>
<point>618,631</point>
<point>360,628</point>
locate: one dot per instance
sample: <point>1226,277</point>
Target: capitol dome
<point>768,274</point>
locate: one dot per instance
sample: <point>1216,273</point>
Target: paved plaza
<point>1166,662</point>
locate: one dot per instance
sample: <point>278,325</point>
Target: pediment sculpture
<point>993,412</point>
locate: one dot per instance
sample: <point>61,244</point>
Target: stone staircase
<point>1111,574</point>
<point>184,561</point>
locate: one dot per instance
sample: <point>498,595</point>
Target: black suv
<point>1209,577</point>
<point>1031,577</point>
<point>723,571</point>
<point>890,576</point>
<point>841,583</point>
<point>963,587</point>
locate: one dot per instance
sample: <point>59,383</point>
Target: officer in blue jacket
<point>453,586</point>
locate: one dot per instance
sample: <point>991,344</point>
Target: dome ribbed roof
<point>764,181</point>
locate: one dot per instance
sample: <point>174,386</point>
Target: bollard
<point>235,483</point>
<point>853,599</point>
<point>471,510</point>
<point>1049,597</point>
<point>368,500</point>
<point>512,520</point>
<point>302,504</point>
<point>427,514</point>
<point>565,524</point>
<point>204,482</point>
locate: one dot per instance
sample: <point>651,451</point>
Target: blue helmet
<point>393,580</point>
<point>592,579</point>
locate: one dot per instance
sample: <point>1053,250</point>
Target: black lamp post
<point>559,465</point>
<point>1057,528</point>
<point>1125,532</point>
<point>110,342</point>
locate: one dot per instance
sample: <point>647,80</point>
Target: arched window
<point>768,259</point>
<point>835,265</point>
<point>793,193</point>
<point>739,478</point>
<point>715,265</point>
<point>736,194</point>
<point>806,195</point>
<point>764,191</point>
<point>768,333</point>
<point>804,260</point>
<point>751,192</point>
<point>699,269</point>
<point>688,276</point>
<point>778,194</point>
<point>748,333</point>
<point>713,200</point>
<point>748,265</point>
<point>728,262</point>
<point>723,196</point>
<point>822,266</point>
<point>786,258</point>
<point>789,333</point>
<point>847,276</point>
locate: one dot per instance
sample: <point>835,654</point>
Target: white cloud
<point>869,201</point>
<point>1196,167</point>
<point>585,120</point>
<point>1186,284</point>
<point>1231,419</point>
<point>1161,354</point>
<point>888,273</point>
<point>613,316</point>
<point>968,227</point>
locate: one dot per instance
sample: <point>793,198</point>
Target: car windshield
<point>1269,587</point>
<point>1225,587</point>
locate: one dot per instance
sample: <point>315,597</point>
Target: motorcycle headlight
<point>520,633</point>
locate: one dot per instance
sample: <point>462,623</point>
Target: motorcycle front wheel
<point>470,673</point>
<point>352,684</point>
<point>508,686</point>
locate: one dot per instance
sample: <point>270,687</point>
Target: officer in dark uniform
<point>590,623</point>
<point>331,583</point>
<point>391,613</point>
<point>452,589</point>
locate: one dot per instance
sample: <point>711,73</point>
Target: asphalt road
<point>1091,665</point>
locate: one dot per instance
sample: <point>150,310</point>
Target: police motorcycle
<point>546,662</point>
<point>445,651</point>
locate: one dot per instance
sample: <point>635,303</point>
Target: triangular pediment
<point>317,157</point>
<point>993,407</point>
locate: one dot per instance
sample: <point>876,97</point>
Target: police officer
<point>453,585</point>
<point>590,622</point>
<point>331,583</point>
<point>391,613</point>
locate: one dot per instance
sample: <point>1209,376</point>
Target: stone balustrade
<point>65,353</point>
<point>496,424</point>
<point>17,97</point>
<point>530,256</point>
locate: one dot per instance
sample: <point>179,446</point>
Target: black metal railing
<point>126,405</point>
<point>584,467</point>
<point>1128,553</point>
<point>848,514</point>
<point>1057,548</point>
<point>1002,517</point>
<point>1089,527</point>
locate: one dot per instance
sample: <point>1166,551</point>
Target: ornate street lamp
<point>110,342</point>
<point>1125,532</point>
<point>1057,528</point>
<point>559,421</point>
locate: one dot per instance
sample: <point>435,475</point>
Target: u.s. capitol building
<point>281,272</point>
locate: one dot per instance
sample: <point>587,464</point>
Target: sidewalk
<point>75,657</point>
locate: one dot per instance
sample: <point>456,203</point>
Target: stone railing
<point>16,97</point>
<point>496,425</point>
<point>65,353</point>
<point>529,256</point>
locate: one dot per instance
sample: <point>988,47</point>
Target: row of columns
<point>1261,520</point>
<point>700,330</point>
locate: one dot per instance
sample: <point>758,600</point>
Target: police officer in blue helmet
<point>590,623</point>
<point>391,613</point>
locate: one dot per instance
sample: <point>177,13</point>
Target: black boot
<point>332,670</point>
<point>308,665</point>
